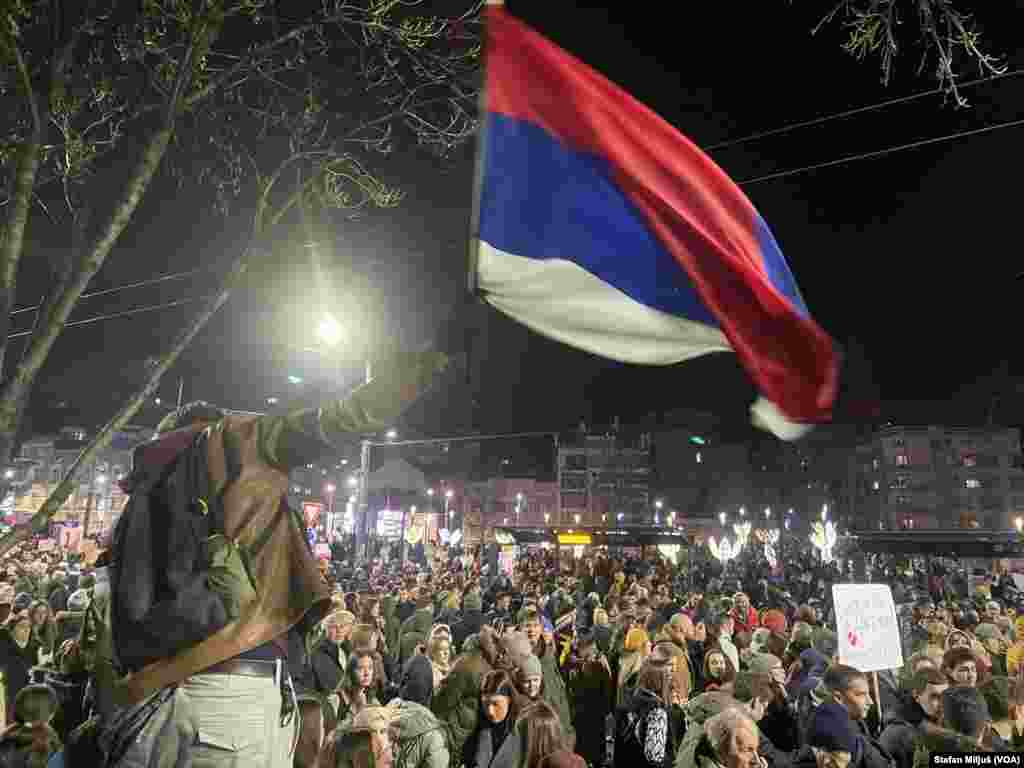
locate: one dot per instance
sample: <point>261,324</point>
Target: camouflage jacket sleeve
<point>306,435</point>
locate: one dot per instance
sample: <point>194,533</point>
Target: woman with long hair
<point>636,649</point>
<point>44,629</point>
<point>719,672</point>
<point>644,730</point>
<point>359,686</point>
<point>541,734</point>
<point>439,651</point>
<point>499,709</point>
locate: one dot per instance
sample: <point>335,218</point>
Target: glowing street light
<point>659,504</point>
<point>353,481</point>
<point>271,401</point>
<point>329,488</point>
<point>721,517</point>
<point>824,512</point>
<point>576,517</point>
<point>391,434</point>
<point>294,379</point>
<point>547,518</point>
<point>328,331</point>
<point>449,493</point>
<point>767,513</point>
<point>430,491</point>
<point>1020,524</point>
<point>10,473</point>
<point>743,511</point>
<point>101,479</point>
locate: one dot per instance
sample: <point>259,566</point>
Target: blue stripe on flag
<point>543,200</point>
<point>777,269</point>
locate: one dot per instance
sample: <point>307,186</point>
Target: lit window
<point>972,483</point>
<point>699,459</point>
<point>902,461</point>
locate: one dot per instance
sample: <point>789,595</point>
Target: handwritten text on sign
<point>869,632</point>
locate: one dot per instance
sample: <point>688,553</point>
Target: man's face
<point>930,700</point>
<point>856,698</point>
<point>364,671</point>
<point>966,673</point>
<point>531,685</point>
<point>742,749</point>
<point>503,603</point>
<point>532,628</point>
<point>742,604</point>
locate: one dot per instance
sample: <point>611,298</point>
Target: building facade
<point>938,477</point>
<point>507,501</point>
<point>605,478</point>
<point>97,500</point>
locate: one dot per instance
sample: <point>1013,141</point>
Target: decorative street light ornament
<point>742,534</point>
<point>823,538</point>
<point>723,551</point>
<point>771,538</point>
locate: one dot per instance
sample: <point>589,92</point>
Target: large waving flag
<point>602,226</point>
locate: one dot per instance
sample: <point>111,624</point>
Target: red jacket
<point>748,624</point>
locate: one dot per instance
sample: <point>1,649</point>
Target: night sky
<point>910,258</point>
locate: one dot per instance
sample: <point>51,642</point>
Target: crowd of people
<point>597,661</point>
<point>206,633</point>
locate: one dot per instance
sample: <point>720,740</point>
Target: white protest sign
<point>869,632</point>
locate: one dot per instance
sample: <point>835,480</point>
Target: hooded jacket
<point>286,580</point>
<point>421,738</point>
<point>415,631</point>
<point>457,702</point>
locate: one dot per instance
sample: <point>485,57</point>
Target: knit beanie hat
<point>832,729</point>
<point>530,667</point>
<point>965,710</point>
<point>774,620</point>
<point>987,632</point>
<point>472,602</point>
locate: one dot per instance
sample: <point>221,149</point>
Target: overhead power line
<point>125,313</point>
<point>782,129</point>
<point>880,152</point>
<point>127,286</point>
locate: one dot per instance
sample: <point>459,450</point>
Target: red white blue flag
<point>602,226</point>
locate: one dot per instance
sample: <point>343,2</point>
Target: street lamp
<point>576,517</point>
<point>767,513</point>
<point>328,331</point>
<point>329,489</point>
<point>353,481</point>
<point>447,514</point>
<point>9,474</point>
<point>824,512</point>
<point>743,511</point>
<point>391,434</point>
<point>1020,524</point>
<point>721,517</point>
<point>519,506</point>
<point>547,518</point>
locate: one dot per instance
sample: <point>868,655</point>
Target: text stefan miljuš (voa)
<point>977,758</point>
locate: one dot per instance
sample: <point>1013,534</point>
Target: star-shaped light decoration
<point>823,538</point>
<point>742,534</point>
<point>723,551</point>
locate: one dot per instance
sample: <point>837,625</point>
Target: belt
<point>247,667</point>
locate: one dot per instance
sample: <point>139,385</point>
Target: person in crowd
<point>328,661</point>
<point>778,723</point>
<point>543,647</point>
<point>591,696</point>
<point>44,630</point>
<point>472,618</point>
<point>359,688</point>
<point>744,615</point>
<point>439,651</point>
<point>921,710</point>
<point>643,727</point>
<point>728,739</point>
<point>717,671</point>
<point>636,649</point>
<point>31,741</point>
<point>498,710</point>
<point>19,652</point>
<point>540,730</point>
<point>719,634</point>
<point>961,666</point>
<point>415,631</point>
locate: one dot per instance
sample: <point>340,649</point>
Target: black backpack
<point>164,584</point>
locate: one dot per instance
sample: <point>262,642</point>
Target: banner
<point>868,628</point>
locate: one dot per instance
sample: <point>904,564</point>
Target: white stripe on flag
<point>561,300</point>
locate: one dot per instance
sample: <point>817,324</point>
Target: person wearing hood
<point>644,733</point>
<point>472,618</point>
<point>31,740</point>
<point>922,709</point>
<point>457,702</point>
<point>415,631</point>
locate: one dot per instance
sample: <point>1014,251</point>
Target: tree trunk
<point>15,390</point>
<point>24,531</point>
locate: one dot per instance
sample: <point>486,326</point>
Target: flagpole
<point>472,283</point>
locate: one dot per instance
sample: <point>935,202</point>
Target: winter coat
<point>457,703</point>
<point>16,747</point>
<point>554,688</point>
<point>643,732</point>
<point>422,741</point>
<point>16,663</point>
<point>592,694</point>
<point>747,623</point>
<point>902,733</point>
<point>413,633</point>
<point>328,663</point>
<point>780,726</point>
<point>494,746</point>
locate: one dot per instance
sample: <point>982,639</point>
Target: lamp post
<point>721,517</point>
<point>447,513</point>
<point>658,504</point>
<point>328,524</point>
<point>519,507</point>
